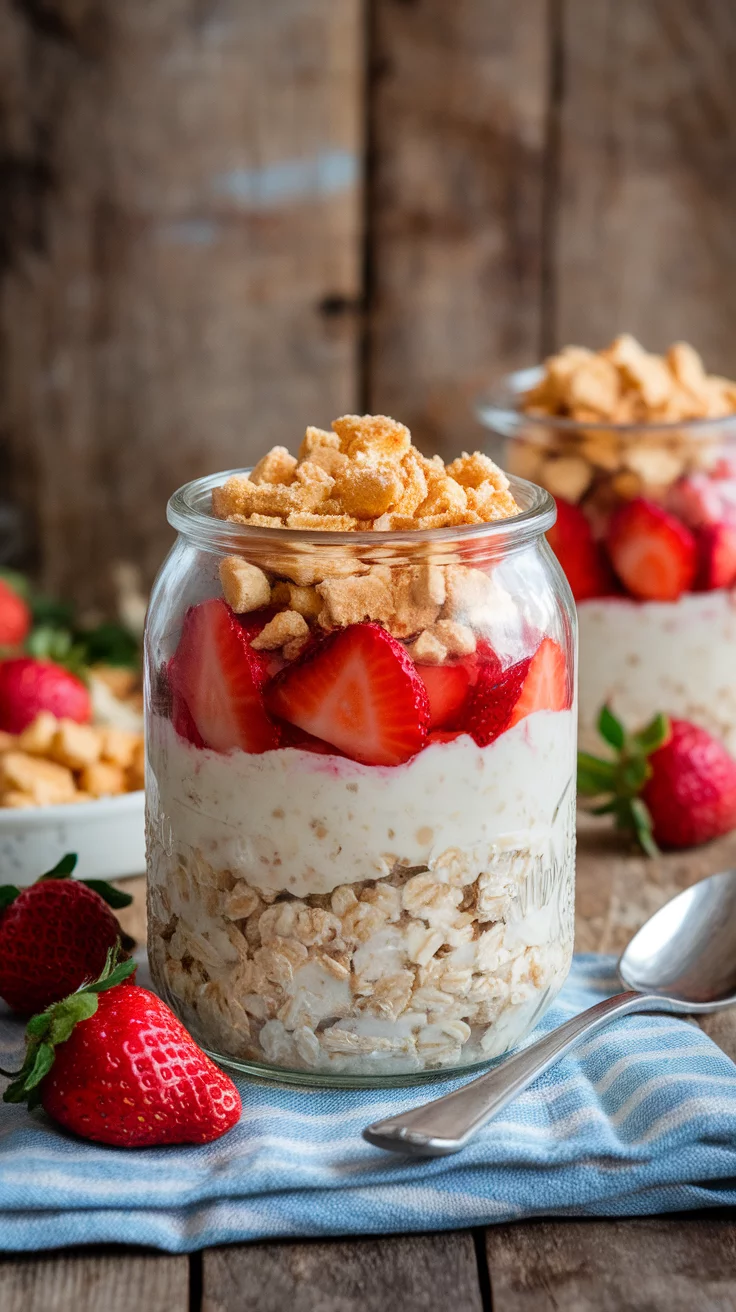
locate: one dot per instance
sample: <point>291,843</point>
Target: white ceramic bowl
<point>107,835</point>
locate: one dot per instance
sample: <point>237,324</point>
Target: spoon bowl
<point>686,951</point>
<point>682,960</point>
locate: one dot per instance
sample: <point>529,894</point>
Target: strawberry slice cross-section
<point>653,553</point>
<point>360,691</point>
<point>447,688</point>
<point>500,699</point>
<point>217,683</point>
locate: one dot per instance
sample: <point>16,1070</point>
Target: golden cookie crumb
<point>367,491</point>
<point>245,586</point>
<point>377,436</point>
<point>352,600</point>
<point>428,649</point>
<point>119,746</point>
<point>288,624</point>
<point>135,778</point>
<point>277,466</point>
<point>477,469</point>
<point>45,781</point>
<point>75,745</point>
<point>457,639</point>
<point>37,737</point>
<point>103,779</point>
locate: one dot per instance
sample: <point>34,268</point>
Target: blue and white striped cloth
<point>641,1119</point>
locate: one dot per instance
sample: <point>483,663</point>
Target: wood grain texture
<point>646,190</point>
<point>418,1273</point>
<point>640,1265</point>
<point>116,1281</point>
<point>180,255</point>
<point>458,121</point>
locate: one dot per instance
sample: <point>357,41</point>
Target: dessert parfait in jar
<point>639,451</point>
<point>361,760</point>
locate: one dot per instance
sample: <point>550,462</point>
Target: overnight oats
<point>361,760</point>
<point>639,451</point>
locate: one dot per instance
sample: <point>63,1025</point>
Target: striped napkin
<point>641,1119</point>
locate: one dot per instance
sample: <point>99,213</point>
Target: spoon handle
<point>445,1125</point>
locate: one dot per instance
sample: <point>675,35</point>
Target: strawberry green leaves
<point>54,1026</point>
<point>619,780</point>
<point>63,870</point>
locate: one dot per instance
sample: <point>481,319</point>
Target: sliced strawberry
<point>653,553</point>
<point>291,736</point>
<point>447,688</point>
<point>219,678</point>
<point>716,557</point>
<point>444,736</point>
<point>492,701</point>
<point>183,723</point>
<point>545,682</point>
<point>359,690</point>
<point>499,701</point>
<point>571,539</point>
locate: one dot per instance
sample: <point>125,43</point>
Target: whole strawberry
<point>691,794</point>
<point>54,936</point>
<point>15,616</point>
<point>113,1064</point>
<point>28,686</point>
<point>672,783</point>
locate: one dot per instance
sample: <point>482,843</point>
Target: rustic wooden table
<point>662,1264</point>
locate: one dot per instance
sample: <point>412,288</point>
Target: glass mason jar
<point>640,654</point>
<point>319,915</point>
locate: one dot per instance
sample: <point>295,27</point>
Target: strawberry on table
<point>358,690</point>
<point>54,935</point>
<point>653,553</point>
<point>113,1064</point>
<point>15,616</point>
<point>219,678</point>
<point>672,783</point>
<point>571,538</point>
<point>29,686</point>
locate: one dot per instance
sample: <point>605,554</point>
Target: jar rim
<point>498,409</point>
<point>189,512</point>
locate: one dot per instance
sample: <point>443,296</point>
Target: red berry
<point>29,686</point>
<point>716,557</point>
<point>55,935</point>
<point>499,701</point>
<point>691,794</point>
<point>653,553</point>
<point>220,679</point>
<point>131,1075</point>
<point>447,688</point>
<point>571,539</point>
<point>492,702</point>
<point>545,685</point>
<point>15,617</point>
<point>360,691</point>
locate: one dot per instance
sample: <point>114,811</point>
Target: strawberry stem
<point>54,1026</point>
<point>619,780</point>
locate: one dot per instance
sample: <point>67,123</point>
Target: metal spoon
<point>682,960</point>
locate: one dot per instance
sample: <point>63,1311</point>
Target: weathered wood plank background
<point>221,219</point>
